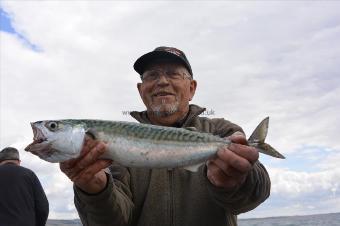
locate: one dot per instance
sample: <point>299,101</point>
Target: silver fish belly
<point>148,154</point>
<point>149,146</point>
<point>134,144</point>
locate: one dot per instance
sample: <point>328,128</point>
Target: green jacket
<point>172,197</point>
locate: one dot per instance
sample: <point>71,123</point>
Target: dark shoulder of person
<point>15,172</point>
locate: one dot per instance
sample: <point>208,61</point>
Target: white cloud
<point>294,184</point>
<point>302,193</point>
<point>251,60</point>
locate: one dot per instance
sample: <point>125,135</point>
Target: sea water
<point>332,219</point>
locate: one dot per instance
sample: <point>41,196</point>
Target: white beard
<point>164,109</point>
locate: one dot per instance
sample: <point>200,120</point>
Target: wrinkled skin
<point>232,165</point>
<point>229,170</point>
<point>87,171</point>
<point>180,92</point>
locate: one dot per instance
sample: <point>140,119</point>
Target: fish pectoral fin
<point>193,168</point>
<point>91,133</point>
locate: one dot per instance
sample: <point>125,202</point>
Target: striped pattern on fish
<point>134,144</point>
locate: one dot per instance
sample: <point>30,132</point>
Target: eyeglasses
<point>173,75</point>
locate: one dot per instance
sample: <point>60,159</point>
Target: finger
<point>88,159</point>
<point>227,169</point>
<point>65,166</point>
<point>247,152</point>
<point>239,138</point>
<point>92,155</point>
<point>89,143</point>
<point>88,173</point>
<point>234,160</point>
<point>218,178</point>
<point>70,167</point>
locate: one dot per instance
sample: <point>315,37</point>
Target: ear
<point>139,88</point>
<point>193,85</point>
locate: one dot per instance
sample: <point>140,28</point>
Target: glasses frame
<point>166,74</point>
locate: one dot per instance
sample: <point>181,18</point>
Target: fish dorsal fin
<point>260,133</point>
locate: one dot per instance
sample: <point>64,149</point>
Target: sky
<point>251,59</point>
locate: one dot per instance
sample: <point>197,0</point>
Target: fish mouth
<point>38,141</point>
<point>38,138</point>
<point>38,135</point>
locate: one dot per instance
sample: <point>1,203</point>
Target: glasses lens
<point>150,76</point>
<point>153,75</point>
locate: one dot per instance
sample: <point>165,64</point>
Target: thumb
<point>238,137</point>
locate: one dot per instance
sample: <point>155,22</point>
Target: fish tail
<point>257,140</point>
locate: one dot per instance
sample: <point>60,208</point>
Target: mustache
<point>162,92</point>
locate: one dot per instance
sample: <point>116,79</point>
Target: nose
<point>162,79</point>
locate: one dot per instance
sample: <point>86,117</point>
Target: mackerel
<point>134,144</point>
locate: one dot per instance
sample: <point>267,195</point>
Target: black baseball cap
<point>159,54</point>
<point>9,153</point>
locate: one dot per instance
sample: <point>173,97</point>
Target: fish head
<point>56,141</point>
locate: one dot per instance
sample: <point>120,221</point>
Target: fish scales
<point>134,144</point>
<point>145,131</point>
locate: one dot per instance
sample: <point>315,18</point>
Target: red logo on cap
<point>174,51</point>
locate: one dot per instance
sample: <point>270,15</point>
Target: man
<point>22,199</point>
<point>233,183</point>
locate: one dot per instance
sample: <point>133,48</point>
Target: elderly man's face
<point>166,88</point>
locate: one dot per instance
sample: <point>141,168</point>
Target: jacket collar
<point>194,111</point>
<point>9,163</point>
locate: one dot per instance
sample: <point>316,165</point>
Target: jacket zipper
<point>171,201</point>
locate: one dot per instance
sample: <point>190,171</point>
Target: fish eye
<point>53,126</point>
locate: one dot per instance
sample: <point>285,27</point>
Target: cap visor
<point>154,56</point>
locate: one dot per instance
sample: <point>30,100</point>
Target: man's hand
<point>233,163</point>
<point>87,171</point>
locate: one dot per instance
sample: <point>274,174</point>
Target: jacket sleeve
<point>112,206</point>
<point>255,189</point>
<point>40,202</point>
